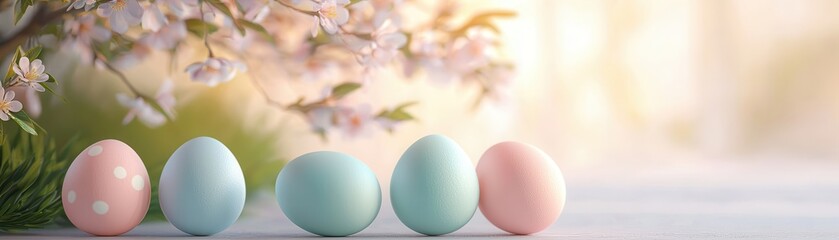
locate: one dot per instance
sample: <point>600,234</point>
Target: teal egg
<point>202,189</point>
<point>329,193</point>
<point>434,188</point>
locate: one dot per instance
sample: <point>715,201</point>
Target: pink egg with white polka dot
<point>106,190</point>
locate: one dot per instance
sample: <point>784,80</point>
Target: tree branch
<point>42,17</point>
<point>121,77</point>
<point>5,4</point>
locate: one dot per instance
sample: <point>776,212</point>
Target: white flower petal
<point>105,10</point>
<point>328,25</point>
<point>35,64</point>
<point>3,116</point>
<point>135,11</point>
<point>100,34</point>
<point>176,7</point>
<point>118,23</point>
<point>24,65</point>
<point>40,69</point>
<point>343,15</point>
<point>38,87</point>
<point>76,5</point>
<point>153,19</point>
<point>125,100</point>
<point>392,41</point>
<point>128,117</point>
<point>15,106</point>
<point>10,95</point>
<point>316,27</point>
<point>17,70</point>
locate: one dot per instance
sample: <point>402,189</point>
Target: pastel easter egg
<point>434,188</point>
<point>329,193</point>
<point>202,188</point>
<point>522,188</point>
<point>106,189</point>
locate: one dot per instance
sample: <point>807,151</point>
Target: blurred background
<point>682,93</point>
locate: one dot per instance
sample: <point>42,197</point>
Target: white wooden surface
<point>723,201</point>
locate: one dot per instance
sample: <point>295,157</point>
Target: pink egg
<point>106,190</point>
<point>522,189</point>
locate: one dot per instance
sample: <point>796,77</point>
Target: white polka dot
<point>137,182</point>
<point>94,150</point>
<point>100,207</point>
<point>119,172</point>
<point>71,196</point>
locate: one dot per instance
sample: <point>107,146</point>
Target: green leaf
<point>52,29</point>
<point>51,79</point>
<point>23,125</point>
<point>343,89</point>
<point>198,27</point>
<point>34,52</point>
<point>259,29</point>
<point>353,2</point>
<point>21,115</point>
<point>50,90</point>
<point>398,115</point>
<point>226,11</point>
<point>11,73</point>
<point>405,105</point>
<point>20,9</point>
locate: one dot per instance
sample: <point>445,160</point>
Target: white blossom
<point>78,4</point>
<point>320,118</point>
<point>31,74</point>
<point>255,10</point>
<point>179,8</point>
<point>153,19</point>
<point>121,14</point>
<point>354,122</point>
<point>384,44</point>
<point>214,70</point>
<point>165,97</point>
<point>138,52</point>
<point>469,54</point>
<point>140,109</point>
<point>81,32</point>
<point>8,104</point>
<point>331,14</point>
<point>167,37</point>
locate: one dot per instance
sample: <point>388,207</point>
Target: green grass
<point>31,174</point>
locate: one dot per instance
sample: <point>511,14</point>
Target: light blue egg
<point>434,188</point>
<point>329,193</point>
<point>202,189</point>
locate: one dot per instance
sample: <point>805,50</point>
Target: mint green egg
<point>329,193</point>
<point>434,188</point>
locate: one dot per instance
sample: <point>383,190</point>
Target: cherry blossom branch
<point>261,89</point>
<point>206,30</point>
<point>292,7</point>
<point>122,77</point>
<point>296,106</point>
<point>4,4</point>
<point>42,17</point>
